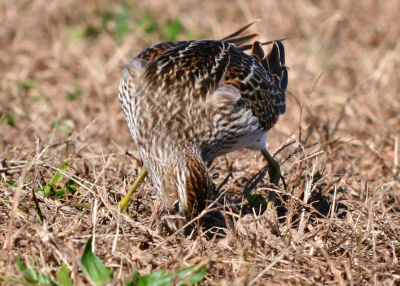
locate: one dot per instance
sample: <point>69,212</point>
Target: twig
<point>272,264</point>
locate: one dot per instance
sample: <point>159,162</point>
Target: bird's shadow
<point>215,221</point>
<point>252,202</point>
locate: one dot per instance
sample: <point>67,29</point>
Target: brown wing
<point>198,68</point>
<point>192,67</point>
<point>261,82</point>
<point>151,52</point>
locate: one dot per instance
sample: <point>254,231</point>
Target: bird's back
<point>198,68</point>
<point>210,93</point>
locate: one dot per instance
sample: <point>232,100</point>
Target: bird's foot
<point>123,204</point>
<point>274,172</point>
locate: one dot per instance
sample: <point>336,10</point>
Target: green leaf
<point>49,188</point>
<point>135,279</point>
<point>46,190</point>
<point>11,183</point>
<point>76,33</point>
<point>197,275</point>
<point>61,126</point>
<point>35,277</point>
<point>58,176</point>
<point>71,186</point>
<point>91,31</point>
<point>10,118</point>
<point>148,23</point>
<point>93,267</point>
<point>122,21</point>
<point>61,192</point>
<point>172,30</point>
<point>106,18</point>
<point>185,271</point>
<point>11,280</point>
<point>27,84</point>
<point>46,280</point>
<point>188,276</point>
<point>30,275</point>
<point>20,264</point>
<point>73,95</point>
<point>157,278</point>
<point>63,276</point>
<point>160,278</point>
<point>53,188</point>
<point>256,199</point>
<point>190,34</point>
<point>37,98</point>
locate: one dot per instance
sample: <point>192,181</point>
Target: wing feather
<point>221,73</point>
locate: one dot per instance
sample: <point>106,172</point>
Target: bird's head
<point>186,186</point>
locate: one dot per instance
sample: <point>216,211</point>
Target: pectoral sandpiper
<point>187,102</point>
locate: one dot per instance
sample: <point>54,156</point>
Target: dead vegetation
<point>339,222</point>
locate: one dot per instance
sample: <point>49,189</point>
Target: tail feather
<point>273,58</point>
<point>249,46</point>
<point>257,51</point>
<point>284,78</point>
<point>238,32</point>
<point>281,52</point>
<point>240,40</point>
<point>274,62</point>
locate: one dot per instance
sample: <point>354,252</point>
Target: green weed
<point>94,270</point>
<point>54,187</point>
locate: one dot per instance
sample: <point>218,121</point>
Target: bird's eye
<point>176,206</point>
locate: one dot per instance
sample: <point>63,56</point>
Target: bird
<point>188,102</point>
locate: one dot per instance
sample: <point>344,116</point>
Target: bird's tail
<point>274,62</point>
<point>238,39</point>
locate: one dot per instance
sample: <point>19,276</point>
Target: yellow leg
<point>123,204</point>
<point>274,172</point>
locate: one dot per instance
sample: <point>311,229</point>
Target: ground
<point>338,144</point>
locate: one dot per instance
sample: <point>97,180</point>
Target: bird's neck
<point>183,183</point>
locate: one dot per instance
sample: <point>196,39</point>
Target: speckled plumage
<point>188,102</point>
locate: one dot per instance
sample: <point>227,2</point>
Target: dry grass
<point>59,72</point>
